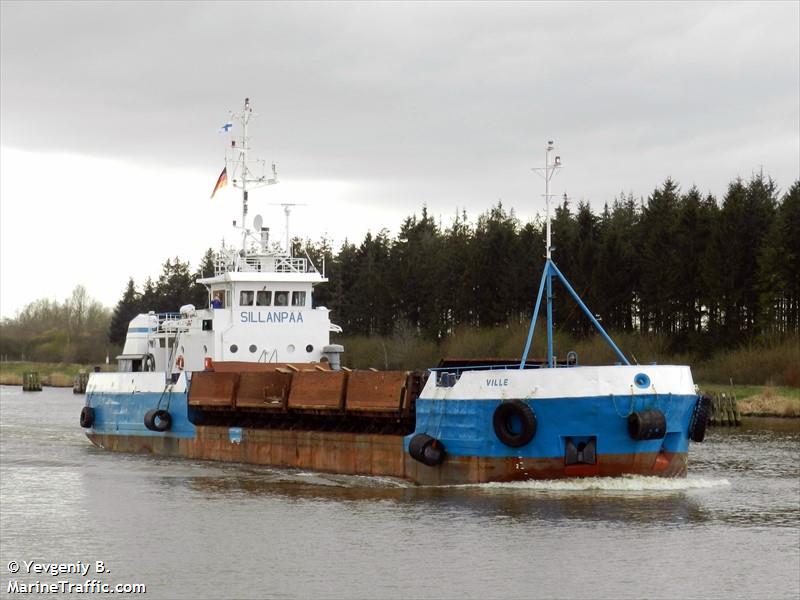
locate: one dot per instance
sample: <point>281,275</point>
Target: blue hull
<point>473,451</point>
<point>465,426</point>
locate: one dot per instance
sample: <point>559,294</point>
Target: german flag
<point>221,182</point>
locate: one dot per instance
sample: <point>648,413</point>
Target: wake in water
<point>627,483</point>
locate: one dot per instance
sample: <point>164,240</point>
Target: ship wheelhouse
<point>260,309</point>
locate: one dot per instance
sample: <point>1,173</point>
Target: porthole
<point>290,348</point>
<point>253,348</point>
<point>309,348</point>
<point>641,380</point>
<point>234,348</point>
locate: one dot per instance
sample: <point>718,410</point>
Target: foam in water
<point>627,483</point>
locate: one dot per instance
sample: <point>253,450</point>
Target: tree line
<point>704,273</point>
<point>176,285</point>
<point>73,331</point>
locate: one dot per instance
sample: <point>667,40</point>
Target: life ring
<point>426,449</point>
<point>208,364</point>
<point>149,363</point>
<point>179,362</point>
<point>647,425</point>
<point>514,423</point>
<point>87,417</point>
<point>699,421</point>
<point>157,420</point>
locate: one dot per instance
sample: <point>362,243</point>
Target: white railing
<point>173,323</point>
<point>285,264</point>
<point>259,263</point>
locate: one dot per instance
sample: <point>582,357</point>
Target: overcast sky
<point>110,111</point>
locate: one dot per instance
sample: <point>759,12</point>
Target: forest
<point>701,275</point>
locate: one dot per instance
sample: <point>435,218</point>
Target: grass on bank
<point>765,378</point>
<point>772,364</point>
<point>52,374</point>
<point>760,400</point>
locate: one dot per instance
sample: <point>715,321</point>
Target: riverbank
<point>753,400</point>
<point>51,374</point>
<point>760,400</point>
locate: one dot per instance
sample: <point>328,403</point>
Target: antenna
<point>287,210</point>
<point>246,173</point>
<point>550,169</point>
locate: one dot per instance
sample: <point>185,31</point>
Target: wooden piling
<point>79,383</point>
<point>737,415</point>
<point>31,382</point>
<point>725,411</point>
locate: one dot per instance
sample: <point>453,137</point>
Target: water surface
<point>193,529</point>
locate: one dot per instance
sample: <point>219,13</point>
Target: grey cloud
<point>448,102</point>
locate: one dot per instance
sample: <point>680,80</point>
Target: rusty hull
<point>379,455</point>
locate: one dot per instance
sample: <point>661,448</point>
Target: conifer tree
<point>127,308</point>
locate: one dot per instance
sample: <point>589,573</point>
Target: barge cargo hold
<point>253,378</point>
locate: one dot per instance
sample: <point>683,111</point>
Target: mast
<point>551,271</point>
<point>550,169</point>
<point>246,173</point>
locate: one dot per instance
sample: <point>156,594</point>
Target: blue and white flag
<point>226,127</point>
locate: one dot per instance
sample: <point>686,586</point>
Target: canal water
<point>189,529</point>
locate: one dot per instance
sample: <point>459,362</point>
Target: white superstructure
<point>260,299</point>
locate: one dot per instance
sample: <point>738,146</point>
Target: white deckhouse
<point>260,305</point>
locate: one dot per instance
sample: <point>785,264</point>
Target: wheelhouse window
<point>218,299</point>
<point>246,298</point>
<point>298,298</point>
<point>281,298</point>
<point>263,298</point>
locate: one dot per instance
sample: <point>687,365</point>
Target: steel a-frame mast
<point>551,271</point>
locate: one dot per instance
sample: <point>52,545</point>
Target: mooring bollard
<point>31,382</point>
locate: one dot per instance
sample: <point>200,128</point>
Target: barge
<point>254,378</point>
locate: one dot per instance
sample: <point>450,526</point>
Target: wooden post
<point>723,414</point>
<point>737,415</point>
<point>31,382</point>
<point>79,383</point>
<point>712,420</point>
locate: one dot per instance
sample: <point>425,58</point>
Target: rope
<point>616,409</point>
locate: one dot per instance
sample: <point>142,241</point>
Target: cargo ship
<point>254,378</point>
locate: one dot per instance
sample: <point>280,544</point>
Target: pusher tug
<point>253,378</point>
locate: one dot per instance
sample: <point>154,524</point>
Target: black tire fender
<point>700,417</point>
<point>647,425</point>
<point>157,420</point>
<point>502,423</point>
<point>426,449</point>
<point>87,417</point>
<point>149,363</point>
